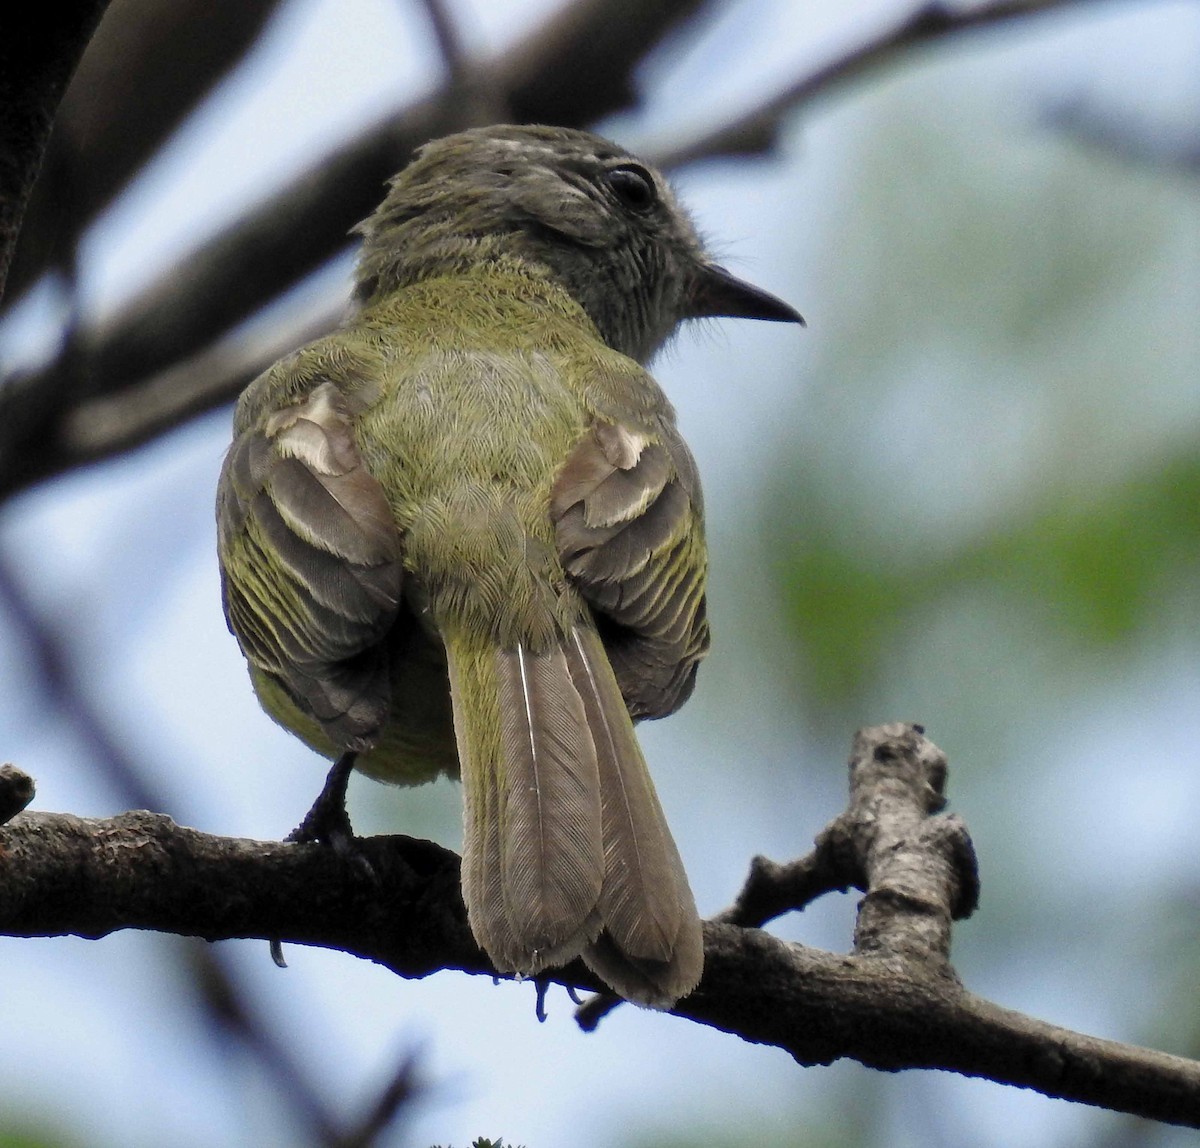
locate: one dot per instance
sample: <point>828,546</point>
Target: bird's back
<point>480,407</point>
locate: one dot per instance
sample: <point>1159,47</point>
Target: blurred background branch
<point>39,51</point>
<point>157,350</point>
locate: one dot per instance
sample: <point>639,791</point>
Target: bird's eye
<point>633,185</point>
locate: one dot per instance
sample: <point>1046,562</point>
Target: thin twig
<point>231,1012</point>
<point>472,95</point>
<point>449,42</point>
<point>393,1099</point>
<point>772,889</point>
<point>756,132</point>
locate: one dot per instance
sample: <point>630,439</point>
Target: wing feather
<point>629,530</point>
<point>311,563</point>
<point>651,947</point>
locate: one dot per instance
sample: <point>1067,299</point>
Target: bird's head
<point>602,223</point>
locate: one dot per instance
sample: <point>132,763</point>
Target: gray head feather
<point>569,204</point>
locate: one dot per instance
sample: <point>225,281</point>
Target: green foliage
<point>1099,569</point>
<point>31,1138</point>
<point>1103,565</point>
<point>999,403</point>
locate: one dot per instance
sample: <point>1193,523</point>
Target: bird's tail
<point>566,851</point>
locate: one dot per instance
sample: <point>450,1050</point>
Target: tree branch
<point>894,1003</point>
<point>108,424</point>
<point>107,129</point>
<point>40,48</point>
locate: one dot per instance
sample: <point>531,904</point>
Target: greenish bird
<point>463,535</point>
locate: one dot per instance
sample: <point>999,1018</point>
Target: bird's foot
<point>542,982</point>
<point>327,821</point>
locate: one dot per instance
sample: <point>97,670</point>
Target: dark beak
<point>716,294</point>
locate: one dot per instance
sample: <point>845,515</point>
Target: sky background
<point>1002,345</point>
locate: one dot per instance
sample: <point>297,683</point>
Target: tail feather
<point>532,853</point>
<point>651,950</point>
<point>550,840</point>
<point>655,984</point>
<point>481,871</point>
<point>566,851</point>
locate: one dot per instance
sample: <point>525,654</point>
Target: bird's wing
<point>311,563</point>
<point>629,527</point>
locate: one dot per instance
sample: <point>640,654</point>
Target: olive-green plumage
<point>463,535</point>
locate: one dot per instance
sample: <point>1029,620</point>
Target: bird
<point>463,535</point>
